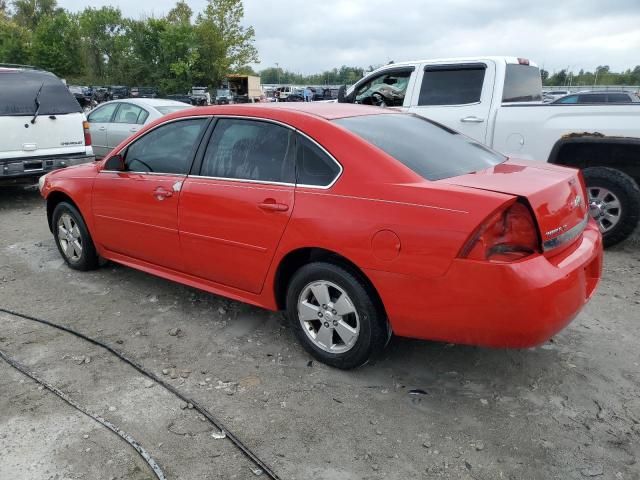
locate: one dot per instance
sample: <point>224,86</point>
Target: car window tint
<point>250,150</point>
<point>522,83</point>
<point>618,98</point>
<point>19,89</point>
<point>451,85</point>
<point>102,114</point>
<point>596,98</point>
<point>391,85</point>
<point>166,149</point>
<point>313,166</point>
<point>128,113</point>
<point>568,99</point>
<point>431,150</point>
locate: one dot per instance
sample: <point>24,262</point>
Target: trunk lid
<point>556,195</point>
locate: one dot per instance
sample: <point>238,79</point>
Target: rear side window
<point>429,149</point>
<point>250,150</point>
<point>452,85</point>
<point>313,166</point>
<point>132,114</point>
<point>522,83</point>
<point>618,98</point>
<point>595,98</point>
<point>19,89</point>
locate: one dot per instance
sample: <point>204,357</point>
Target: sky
<point>311,36</point>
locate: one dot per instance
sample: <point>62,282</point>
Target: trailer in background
<point>245,88</point>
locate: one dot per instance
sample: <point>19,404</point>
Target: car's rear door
<point>99,120</point>
<point>136,210</point>
<point>128,120</point>
<point>234,211</point>
<point>457,95</point>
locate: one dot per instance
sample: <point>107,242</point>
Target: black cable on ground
<point>106,423</point>
<point>213,420</point>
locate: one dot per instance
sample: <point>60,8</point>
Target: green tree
<point>28,13</point>
<point>15,42</point>
<point>56,44</point>
<point>181,13</point>
<point>101,31</point>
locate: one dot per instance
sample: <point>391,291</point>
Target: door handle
<point>272,206</point>
<point>133,129</point>
<point>102,129</point>
<point>472,119</point>
<point>161,193</point>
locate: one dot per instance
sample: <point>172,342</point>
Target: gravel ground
<point>569,409</point>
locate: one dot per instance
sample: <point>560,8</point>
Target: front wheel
<point>336,315</point>
<point>614,202</point>
<point>72,238</point>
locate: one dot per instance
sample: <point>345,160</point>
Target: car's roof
<point>328,111</point>
<point>505,59</point>
<point>149,102</point>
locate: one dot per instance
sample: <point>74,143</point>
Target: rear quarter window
<point>431,150</point>
<point>19,88</point>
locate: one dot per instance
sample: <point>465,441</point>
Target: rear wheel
<point>614,202</point>
<point>72,238</point>
<point>335,315</point>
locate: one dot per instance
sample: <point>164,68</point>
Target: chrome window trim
<point>267,182</point>
<point>181,175</point>
<point>567,236</point>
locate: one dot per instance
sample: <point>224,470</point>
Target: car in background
<point>42,125</point>
<point>180,97</point>
<point>608,96</point>
<point>224,96</point>
<point>549,96</point>
<point>200,96</point>
<point>80,94</point>
<point>112,122</point>
<point>144,92</point>
<point>359,222</point>
<point>118,91</point>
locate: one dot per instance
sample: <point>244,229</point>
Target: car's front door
<point>386,89</point>
<point>234,212</point>
<point>99,121</point>
<point>458,96</point>
<point>127,121</point>
<point>136,210</point>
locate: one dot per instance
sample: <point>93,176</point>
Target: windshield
<point>429,149</point>
<point>18,90</point>
<point>164,109</point>
<point>522,83</point>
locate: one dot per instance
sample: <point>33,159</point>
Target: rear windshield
<point>171,108</point>
<point>429,149</point>
<point>522,83</point>
<point>19,88</point>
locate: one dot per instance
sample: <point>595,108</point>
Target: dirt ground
<point>569,409</point>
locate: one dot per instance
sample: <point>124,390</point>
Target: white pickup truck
<point>498,101</point>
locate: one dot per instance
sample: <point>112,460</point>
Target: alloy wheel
<point>604,207</point>
<point>69,237</point>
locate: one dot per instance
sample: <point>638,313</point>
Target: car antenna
<point>37,102</point>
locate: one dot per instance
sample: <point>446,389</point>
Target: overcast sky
<point>310,36</point>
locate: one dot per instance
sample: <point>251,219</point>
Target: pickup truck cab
<point>498,101</point>
<point>42,126</point>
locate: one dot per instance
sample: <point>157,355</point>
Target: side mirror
<point>115,163</point>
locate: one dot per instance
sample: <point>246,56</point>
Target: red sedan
<point>359,222</point>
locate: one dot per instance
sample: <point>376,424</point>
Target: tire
<point>621,187</point>
<point>363,315</point>
<point>67,218</point>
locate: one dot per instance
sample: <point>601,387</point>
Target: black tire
<point>374,331</point>
<point>88,258</point>
<point>626,189</point>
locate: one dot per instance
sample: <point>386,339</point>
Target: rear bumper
<point>33,167</point>
<point>515,305</point>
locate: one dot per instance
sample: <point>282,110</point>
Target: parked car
<point>80,94</point>
<point>41,123</point>
<point>180,97</point>
<point>112,122</point>
<point>357,221</point>
<point>599,97</point>
<point>224,96</point>
<point>200,96</point>
<point>118,91</point>
<point>144,92</point>
<point>496,101</point>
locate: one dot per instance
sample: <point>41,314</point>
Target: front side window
<point>313,166</point>
<point>132,114</point>
<point>102,114</point>
<point>166,149</point>
<point>389,88</point>
<point>431,150</point>
<point>250,150</point>
<point>452,85</point>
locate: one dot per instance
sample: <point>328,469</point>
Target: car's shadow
<point>19,197</point>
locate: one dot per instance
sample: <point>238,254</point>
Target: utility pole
<point>278,72</point>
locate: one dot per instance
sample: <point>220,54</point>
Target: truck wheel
<point>614,202</point>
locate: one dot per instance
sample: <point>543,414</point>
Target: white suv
<point>43,127</point>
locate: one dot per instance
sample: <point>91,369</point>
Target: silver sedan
<point>112,122</point>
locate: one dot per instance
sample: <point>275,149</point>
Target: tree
<point>223,44</point>
<point>101,30</point>
<point>56,44</point>
<point>181,13</point>
<point>15,42</point>
<point>28,13</point>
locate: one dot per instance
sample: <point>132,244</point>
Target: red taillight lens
<point>87,133</point>
<point>506,236</point>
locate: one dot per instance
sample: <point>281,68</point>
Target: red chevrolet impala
<point>359,222</point>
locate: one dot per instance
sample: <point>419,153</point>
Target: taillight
<point>87,133</point>
<point>506,236</point>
